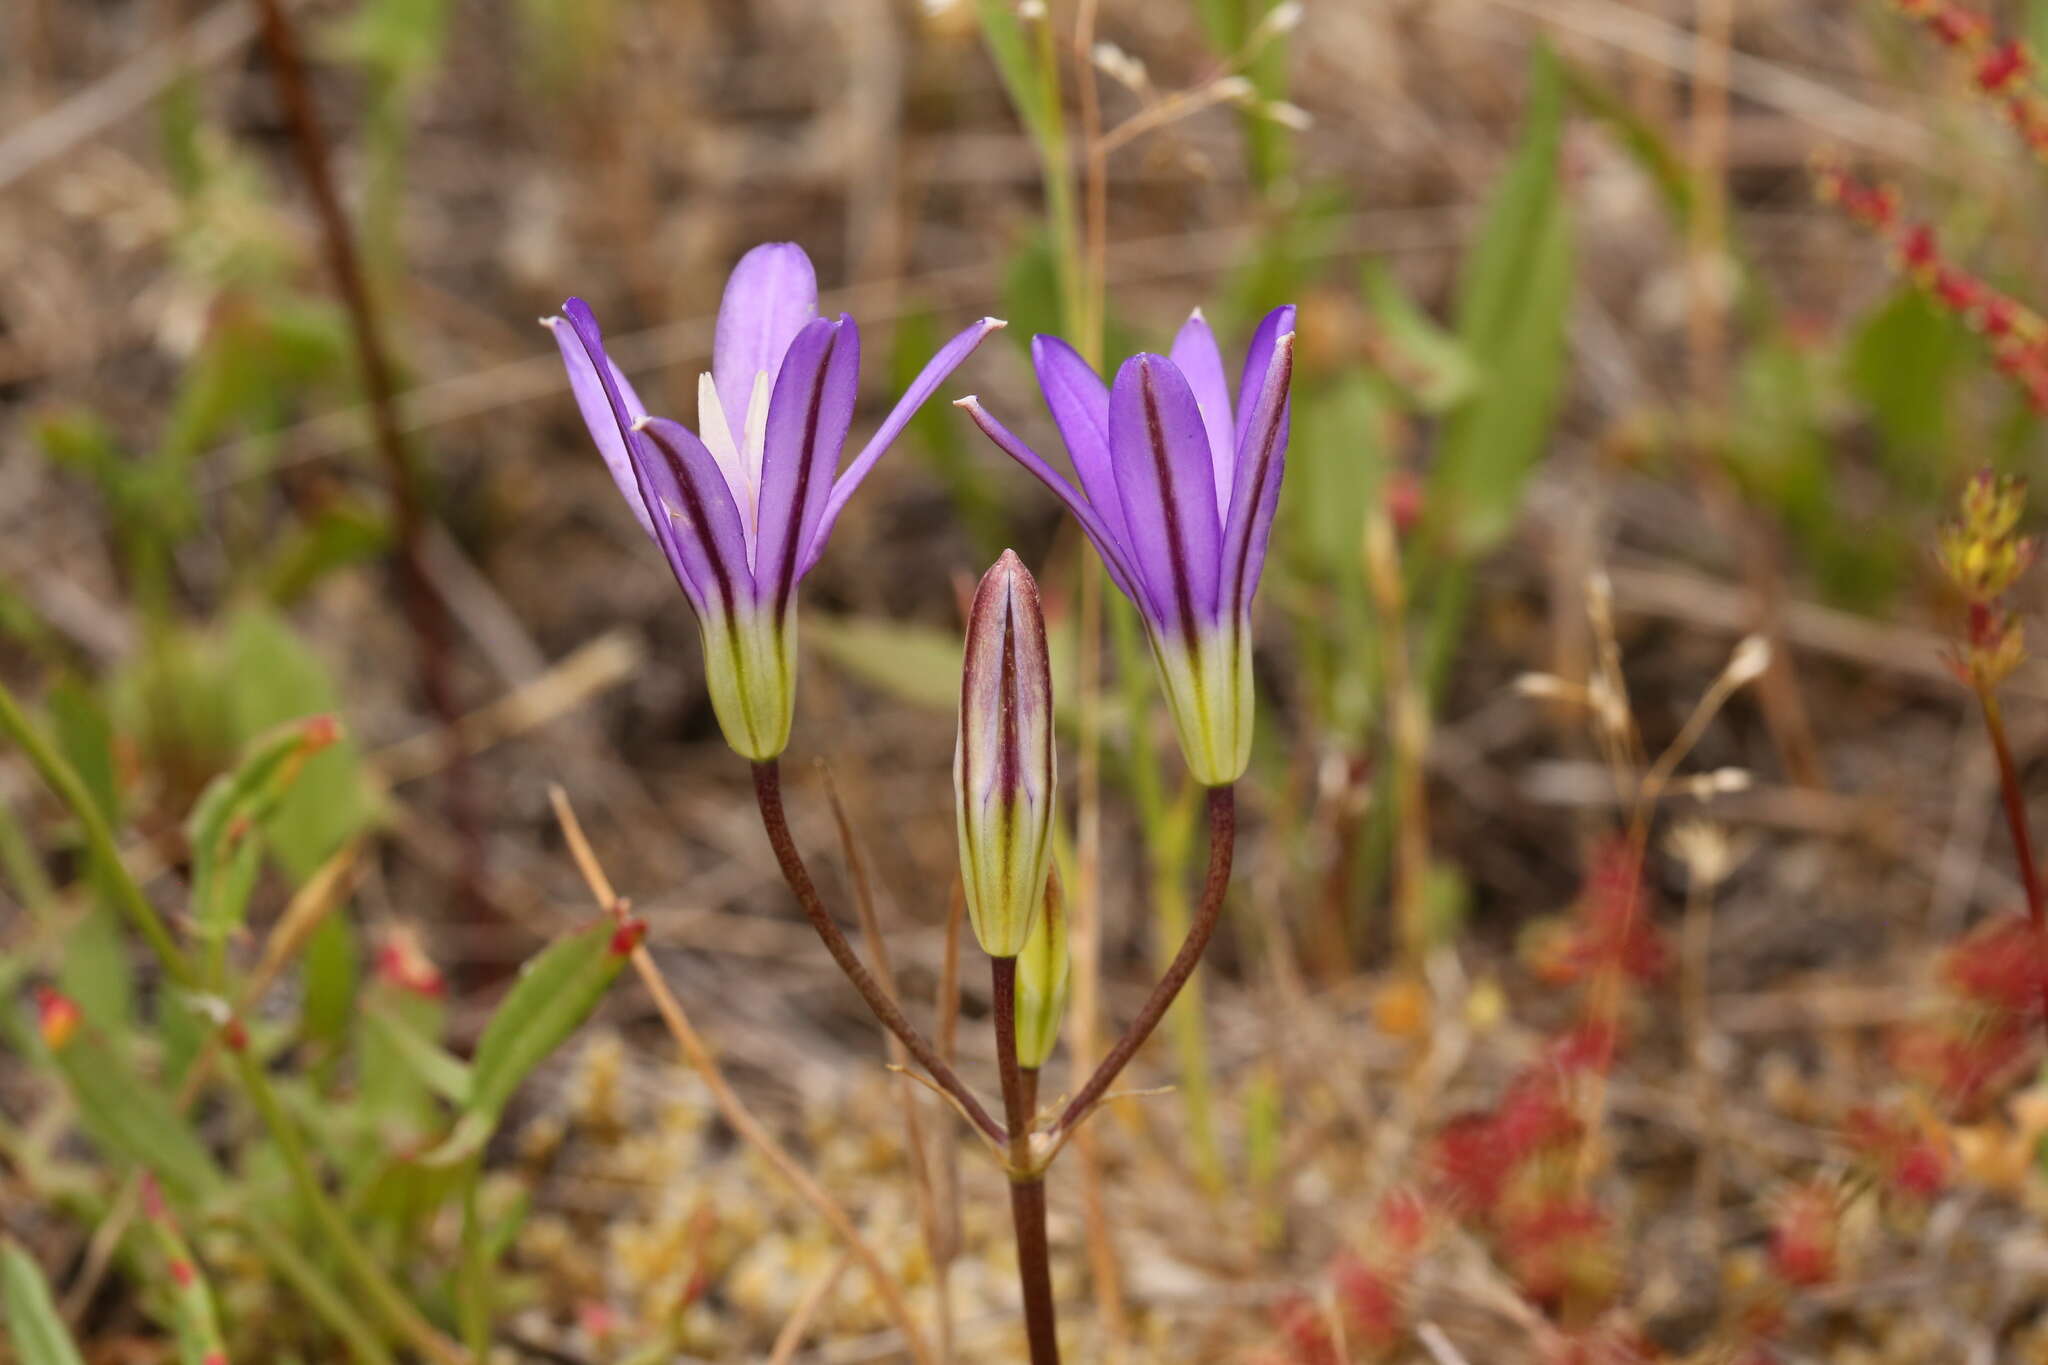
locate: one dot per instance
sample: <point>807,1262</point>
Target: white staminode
<point>740,460</point>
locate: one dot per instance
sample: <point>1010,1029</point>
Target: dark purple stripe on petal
<point>808,416</point>
<point>1258,360</point>
<point>1115,557</point>
<point>649,490</point>
<point>700,523</point>
<point>596,407</point>
<point>1168,487</point>
<point>769,297</point>
<point>921,389</point>
<point>1079,401</point>
<point>1201,364</point>
<point>1261,460</point>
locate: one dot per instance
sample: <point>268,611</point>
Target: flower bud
<point>1003,778</point>
<point>1042,982</point>
<point>57,1017</point>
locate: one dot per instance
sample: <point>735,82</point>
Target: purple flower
<point>742,507</point>
<point>1177,490</point>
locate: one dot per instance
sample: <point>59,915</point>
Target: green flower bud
<point>1042,982</point>
<point>1003,775</point>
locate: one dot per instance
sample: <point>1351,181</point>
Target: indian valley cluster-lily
<point>1177,477</point>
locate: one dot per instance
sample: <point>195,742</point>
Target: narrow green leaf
<point>1016,63</point>
<point>330,972</point>
<point>1902,364</point>
<point>86,735</point>
<point>920,664</point>
<point>224,823</point>
<point>345,532</point>
<point>276,677</point>
<point>194,1321</point>
<point>439,1070</point>
<point>95,970</point>
<point>33,1327</point>
<point>1513,295</point>
<point>124,1113</point>
<point>1426,364</point>
<point>910,662</point>
<point>555,993</point>
<point>394,1101</point>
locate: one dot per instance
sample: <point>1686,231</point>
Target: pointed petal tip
<point>642,423</point>
<point>993,325</point>
<point>971,402</point>
<point>551,321</point>
<point>1197,315</point>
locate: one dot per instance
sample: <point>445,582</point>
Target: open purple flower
<point>742,507</point>
<point>1177,490</point>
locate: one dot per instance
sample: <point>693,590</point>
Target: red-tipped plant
<point>1984,555</point>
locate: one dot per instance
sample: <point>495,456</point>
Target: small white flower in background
<point>1705,849</point>
<point>1749,661</point>
<point>1282,18</point>
<point>1121,67</point>
<point>1548,687</point>
<point>1287,115</point>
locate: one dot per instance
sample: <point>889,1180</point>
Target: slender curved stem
<point>1027,1186</point>
<point>384,1295</point>
<point>2014,799</point>
<point>768,793</point>
<point>1222,843</point>
<point>63,779</point>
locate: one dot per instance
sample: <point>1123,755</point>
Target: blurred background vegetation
<point>1569,302</point>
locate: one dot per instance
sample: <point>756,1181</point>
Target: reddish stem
<point>1222,843</point>
<point>2015,803</point>
<point>768,793</point>
<point>425,612</point>
<point>1027,1187</point>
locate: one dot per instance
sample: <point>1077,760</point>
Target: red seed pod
<point>57,1017</point>
<point>2004,67</point>
<point>628,936</point>
<point>1805,1236</point>
<point>1403,1222</point>
<point>1307,1336</point>
<point>1999,966</point>
<point>1371,1298</point>
<point>1902,1154</point>
<point>403,963</point>
<point>1917,248</point>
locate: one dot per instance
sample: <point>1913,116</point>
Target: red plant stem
<point>1222,843</point>
<point>2015,802</point>
<point>1027,1186</point>
<point>768,794</point>
<point>426,614</point>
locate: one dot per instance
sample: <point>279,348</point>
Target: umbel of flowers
<point>1178,484</point>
